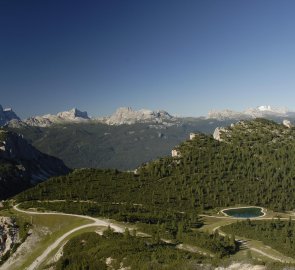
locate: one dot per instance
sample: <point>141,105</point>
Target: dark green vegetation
<point>21,165</point>
<point>249,212</point>
<point>122,147</point>
<point>278,234</point>
<point>91,251</point>
<point>255,165</point>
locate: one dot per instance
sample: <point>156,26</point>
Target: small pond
<point>244,212</point>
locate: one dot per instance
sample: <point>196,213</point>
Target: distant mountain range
<point>127,138</point>
<point>120,117</point>
<point>127,115</point>
<point>72,116</point>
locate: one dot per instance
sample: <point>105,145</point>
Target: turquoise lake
<point>249,212</point>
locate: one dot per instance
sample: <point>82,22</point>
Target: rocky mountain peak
<point>73,115</point>
<point>126,115</point>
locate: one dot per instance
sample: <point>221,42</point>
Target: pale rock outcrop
<point>218,132</point>
<point>8,234</point>
<point>287,123</point>
<point>192,136</point>
<point>242,266</point>
<point>175,153</point>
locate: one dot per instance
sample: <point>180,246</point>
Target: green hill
<point>253,165</point>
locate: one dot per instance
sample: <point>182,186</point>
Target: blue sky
<point>186,57</point>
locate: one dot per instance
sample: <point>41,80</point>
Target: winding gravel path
<point>49,249</point>
<point>105,223</point>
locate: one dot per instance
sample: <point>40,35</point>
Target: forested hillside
<point>254,164</point>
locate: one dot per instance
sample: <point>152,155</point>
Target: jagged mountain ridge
<point>128,116</point>
<point>21,165</point>
<point>122,116</point>
<point>73,115</point>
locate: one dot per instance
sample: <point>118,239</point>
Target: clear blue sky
<point>186,57</point>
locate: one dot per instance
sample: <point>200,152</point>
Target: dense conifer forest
<point>254,164</point>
